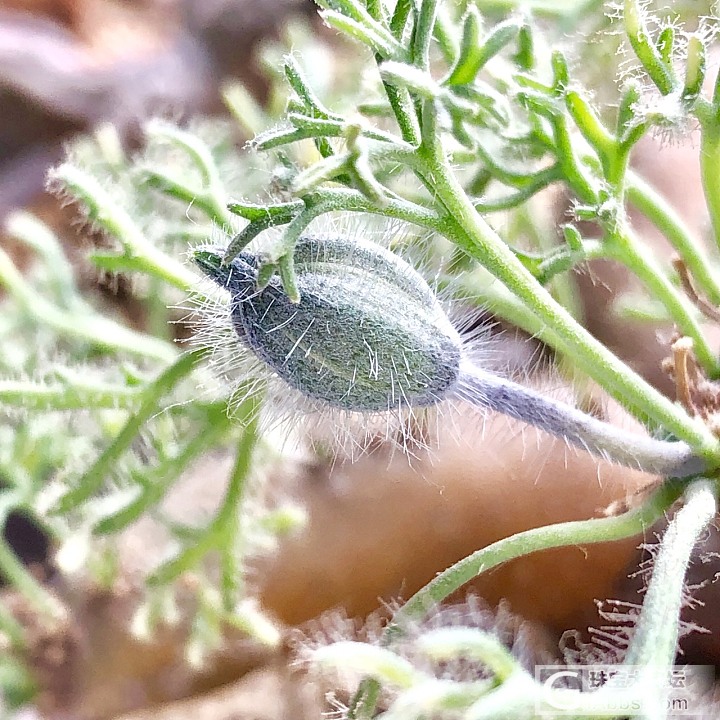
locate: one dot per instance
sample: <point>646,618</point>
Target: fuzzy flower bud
<point>369,336</point>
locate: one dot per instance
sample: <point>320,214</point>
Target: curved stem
<point>654,644</point>
<point>347,200</point>
<point>92,327</point>
<point>577,532</point>
<point>93,478</point>
<point>205,201</point>
<point>670,459</point>
<point>113,218</point>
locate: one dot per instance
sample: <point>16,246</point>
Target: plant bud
<point>368,334</point>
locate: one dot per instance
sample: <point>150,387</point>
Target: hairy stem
<point>77,395</point>
<point>93,478</point>
<point>578,532</point>
<point>655,642</point>
<point>113,218</point>
<point>670,459</point>
<point>89,326</point>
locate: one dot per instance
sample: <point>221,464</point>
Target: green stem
<point>94,478</point>
<point>654,644</point>
<point>331,127</point>
<point>561,282</point>
<point>624,247</point>
<point>655,639</point>
<point>590,125</point>
<point>448,643</point>
<point>223,534</point>
<point>376,10</point>
<point>230,515</point>
<point>445,36</point>
<point>213,195</point>
<point>399,98</point>
<point>481,242</point>
<point>424,32</point>
<point>157,481</point>
<point>402,11</point>
<point>496,298</point>
<point>346,200</point>
<point>573,533</point>
<point>363,702</point>
<point>114,219</point>
<point>572,167</point>
<point>512,200</point>
<point>77,395</point>
<point>245,109</point>
<point>405,114</point>
<point>206,202</point>
<point>656,208</point>
<point>579,532</point>
<point>366,31</point>
<point>298,82</point>
<point>43,241</point>
<point>11,629</point>
<point>709,164</point>
<point>640,39</point>
<point>94,328</point>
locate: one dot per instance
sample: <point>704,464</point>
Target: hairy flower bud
<point>369,336</point>
<point>368,333</point>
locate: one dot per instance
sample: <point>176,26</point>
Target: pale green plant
<point>458,120</point>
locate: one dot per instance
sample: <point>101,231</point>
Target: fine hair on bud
<point>366,357</point>
<point>369,340</point>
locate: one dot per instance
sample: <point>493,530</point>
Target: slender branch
<point>573,533</point>
<point>709,164</point>
<point>75,395</point>
<point>424,32</point>
<point>93,478</point>
<point>104,209</point>
<point>82,323</point>
<point>657,209</point>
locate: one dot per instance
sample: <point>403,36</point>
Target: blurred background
<point>376,530</point>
